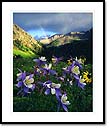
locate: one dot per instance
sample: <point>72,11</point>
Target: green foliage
<point>17,52</point>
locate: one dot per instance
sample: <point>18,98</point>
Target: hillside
<point>72,37</point>
<point>60,39</point>
<point>66,46</point>
<point>51,39</point>
<point>23,42</point>
<point>76,48</point>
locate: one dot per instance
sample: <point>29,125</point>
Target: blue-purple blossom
<point>37,70</point>
<point>26,83</point>
<point>78,63</point>
<point>66,70</point>
<point>61,78</point>
<point>75,70</point>
<point>47,70</point>
<point>21,75</point>
<point>52,88</point>
<point>40,61</point>
<point>72,70</point>
<point>62,99</point>
<point>80,81</point>
<point>56,60</point>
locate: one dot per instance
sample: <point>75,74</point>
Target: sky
<point>47,24</point>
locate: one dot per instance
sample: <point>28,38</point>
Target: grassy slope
<point>17,52</point>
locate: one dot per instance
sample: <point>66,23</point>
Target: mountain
<point>70,38</point>
<point>23,42</point>
<point>48,40</point>
<point>81,46</point>
<point>60,39</point>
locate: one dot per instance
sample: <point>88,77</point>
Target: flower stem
<point>58,108</point>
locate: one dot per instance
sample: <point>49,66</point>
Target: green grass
<point>17,52</point>
<point>81,100</point>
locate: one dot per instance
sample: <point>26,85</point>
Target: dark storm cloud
<point>55,22</point>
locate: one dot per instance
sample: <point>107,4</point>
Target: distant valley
<point>70,44</point>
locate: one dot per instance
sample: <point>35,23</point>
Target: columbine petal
<point>27,77</point>
<point>67,103</point>
<point>78,64</point>
<point>50,65</point>
<point>31,80</point>
<point>26,90</point>
<point>30,76</point>
<point>47,91</point>
<point>28,80</point>
<point>65,107</point>
<point>58,92</point>
<point>33,87</point>
<point>53,91</point>
<point>19,84</point>
<point>47,83</point>
<point>57,85</point>
<point>63,98</point>
<point>23,75</point>
<point>36,60</point>
<point>29,85</point>
<point>42,58</point>
<point>75,70</point>
<point>76,77</point>
<point>19,74</point>
<point>71,82</point>
<point>81,85</point>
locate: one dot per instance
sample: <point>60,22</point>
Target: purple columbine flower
<point>52,88</point>
<point>37,70</point>
<point>66,70</point>
<point>40,61</point>
<point>78,63</point>
<point>26,84</point>
<point>63,102</point>
<point>81,82</point>
<point>47,70</point>
<point>75,66</point>
<point>72,70</point>
<point>56,60</point>
<point>61,78</point>
<point>21,75</point>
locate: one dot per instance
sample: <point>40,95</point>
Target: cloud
<point>54,22</point>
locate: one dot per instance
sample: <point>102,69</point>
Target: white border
<point>7,68</point>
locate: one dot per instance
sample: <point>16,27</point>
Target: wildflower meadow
<point>57,85</point>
